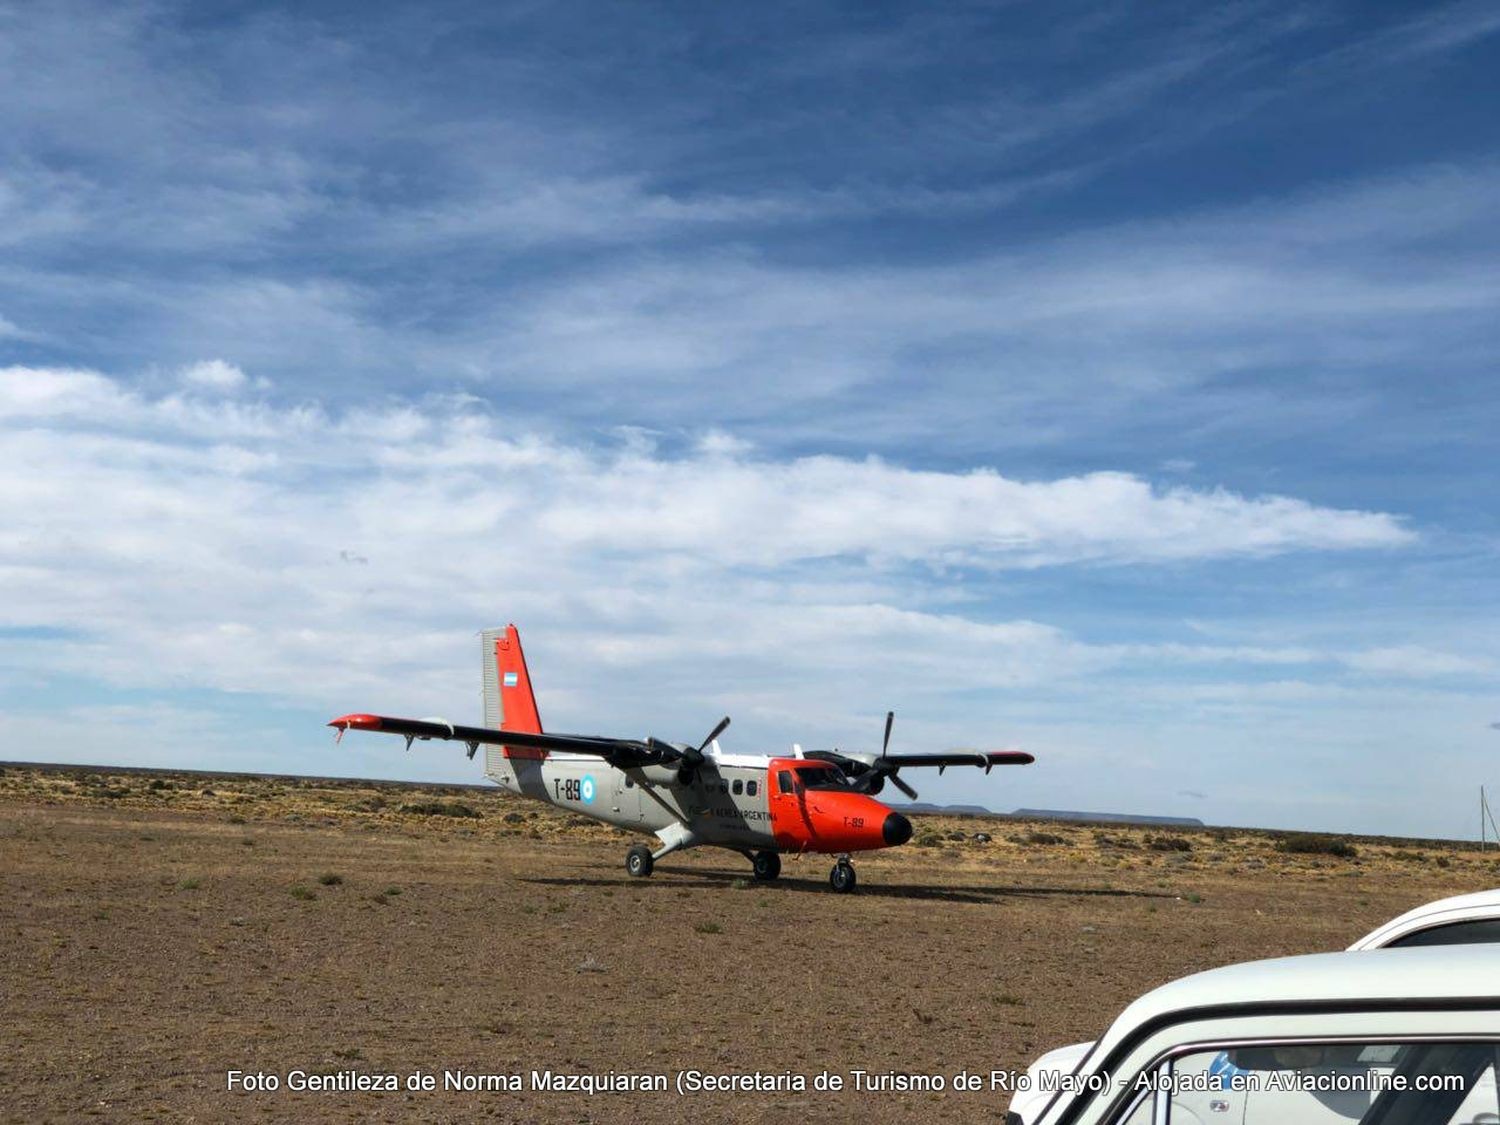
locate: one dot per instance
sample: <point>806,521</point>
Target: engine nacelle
<point>663,775</point>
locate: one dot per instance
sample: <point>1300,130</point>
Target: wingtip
<point>356,722</point>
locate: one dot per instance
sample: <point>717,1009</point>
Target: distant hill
<point>1106,817</point>
<point>944,810</point>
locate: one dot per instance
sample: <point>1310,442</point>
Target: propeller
<point>877,771</point>
<point>693,758</point>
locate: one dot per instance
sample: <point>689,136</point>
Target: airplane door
<point>789,822</point>
<point>626,799</point>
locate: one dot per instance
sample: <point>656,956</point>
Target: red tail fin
<point>516,708</point>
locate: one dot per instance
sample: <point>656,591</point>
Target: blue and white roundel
<point>586,790</point>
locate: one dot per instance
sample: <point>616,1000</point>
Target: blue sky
<point>1115,382</point>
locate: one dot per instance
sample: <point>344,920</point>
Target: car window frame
<point>1122,1107</point>
<point>1179,1032</point>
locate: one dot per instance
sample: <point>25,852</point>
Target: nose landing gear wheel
<point>766,865</point>
<point>638,861</point>
<point>841,878</point>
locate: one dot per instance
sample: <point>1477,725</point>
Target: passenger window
<point>784,781</point>
<point>723,787</point>
<point>739,787</point>
<point>750,788</point>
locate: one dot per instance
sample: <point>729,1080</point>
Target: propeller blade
<point>718,730</point>
<point>890,717</point>
<point>901,785</point>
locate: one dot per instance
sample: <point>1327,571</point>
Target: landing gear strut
<point>841,878</point>
<point>766,865</point>
<point>638,861</point>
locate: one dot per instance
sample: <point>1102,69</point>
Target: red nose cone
<point>896,830</point>
<point>832,820</point>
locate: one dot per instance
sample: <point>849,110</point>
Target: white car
<point>1460,920</point>
<point>1389,1037</point>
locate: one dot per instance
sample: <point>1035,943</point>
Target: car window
<point>1310,1083</point>
<point>1476,931</point>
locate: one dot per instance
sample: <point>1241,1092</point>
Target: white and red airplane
<point>687,796</point>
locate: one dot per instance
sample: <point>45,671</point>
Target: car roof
<point>1458,908</point>
<point>1398,975</point>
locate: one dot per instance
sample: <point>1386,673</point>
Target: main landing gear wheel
<point>766,865</point>
<point>638,861</point>
<point>842,878</point>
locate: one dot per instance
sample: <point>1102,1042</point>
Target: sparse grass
<point>740,884</point>
<point>301,893</point>
<point>189,884</point>
<point>1195,898</point>
<point>1009,999</point>
<point>329,879</point>
<point>708,928</point>
<point>1044,838</point>
<point>441,808</point>
<point>391,891</point>
<point>1311,843</point>
<point>236,819</point>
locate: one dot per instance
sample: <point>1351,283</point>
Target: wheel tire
<point>766,865</point>
<point>638,861</point>
<point>842,878</point>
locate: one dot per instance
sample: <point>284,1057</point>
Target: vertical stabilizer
<point>509,703</point>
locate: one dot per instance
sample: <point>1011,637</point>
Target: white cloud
<point>214,375</point>
<point>1418,662</point>
<point>182,538</point>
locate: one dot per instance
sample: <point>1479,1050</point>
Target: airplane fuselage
<point>743,802</point>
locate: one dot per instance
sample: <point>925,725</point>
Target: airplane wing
<point>622,752</point>
<point>986,758</point>
<point>868,773</point>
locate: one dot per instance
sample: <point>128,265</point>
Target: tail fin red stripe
<point>517,701</point>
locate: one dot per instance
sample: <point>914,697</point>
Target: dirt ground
<point>162,930</point>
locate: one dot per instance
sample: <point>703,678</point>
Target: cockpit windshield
<point>822,777</point>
